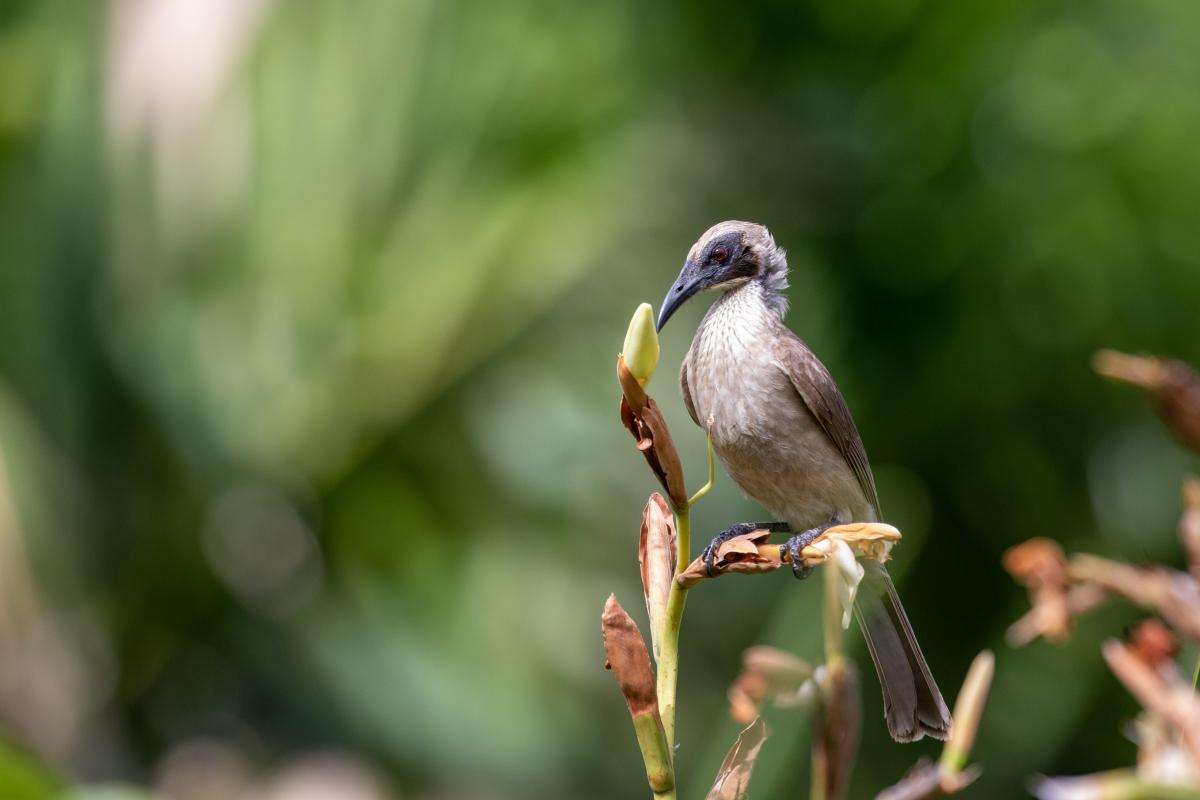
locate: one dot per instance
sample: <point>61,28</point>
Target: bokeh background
<point>311,479</point>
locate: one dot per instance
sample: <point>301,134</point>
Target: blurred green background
<point>311,478</point>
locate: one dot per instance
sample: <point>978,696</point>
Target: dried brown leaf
<point>750,553</point>
<point>1040,566</point>
<point>746,554</point>
<point>640,415</point>
<point>1173,700</point>
<point>628,659</point>
<point>926,781</point>
<point>733,778</point>
<point>1175,596</point>
<point>1174,386</point>
<point>657,557</point>
<point>767,674</point>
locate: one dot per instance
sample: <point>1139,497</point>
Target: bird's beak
<point>687,284</point>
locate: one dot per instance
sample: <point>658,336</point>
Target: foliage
<point>306,321</point>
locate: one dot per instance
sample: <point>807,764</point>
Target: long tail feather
<point>912,703</point>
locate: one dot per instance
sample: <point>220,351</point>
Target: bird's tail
<point>912,703</point>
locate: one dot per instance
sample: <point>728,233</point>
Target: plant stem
<point>831,621</point>
<point>831,617</point>
<point>668,665</point>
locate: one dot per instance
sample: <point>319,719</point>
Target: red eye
<point>720,255</point>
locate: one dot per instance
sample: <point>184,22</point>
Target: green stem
<point>831,620</point>
<point>668,664</point>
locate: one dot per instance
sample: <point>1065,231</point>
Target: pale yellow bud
<point>641,344</point>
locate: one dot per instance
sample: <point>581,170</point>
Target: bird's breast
<point>765,436</point>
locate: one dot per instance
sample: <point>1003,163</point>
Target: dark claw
<point>792,547</point>
<point>739,529</point>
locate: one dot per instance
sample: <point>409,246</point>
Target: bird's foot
<point>792,547</point>
<point>739,529</point>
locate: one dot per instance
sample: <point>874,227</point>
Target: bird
<point>782,430</point>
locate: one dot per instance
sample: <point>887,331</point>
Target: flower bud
<point>641,344</point>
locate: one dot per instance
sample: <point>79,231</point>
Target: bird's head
<point>728,256</point>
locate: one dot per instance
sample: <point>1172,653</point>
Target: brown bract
<point>751,553</point>
<point>1040,566</point>
<point>926,781</point>
<point>657,557</point>
<point>768,674</point>
<point>1173,595</point>
<point>1161,692</point>
<point>641,417</point>
<point>1174,386</point>
<point>733,778</point>
<point>628,659</point>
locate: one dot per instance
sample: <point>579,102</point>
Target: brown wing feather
<point>815,386</point>
<point>687,393</point>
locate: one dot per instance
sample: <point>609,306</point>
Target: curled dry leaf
<point>641,417</point>
<point>1174,386</point>
<point>733,778</point>
<point>926,781</point>
<point>657,557</point>
<point>630,664</point>
<point>627,658</point>
<point>768,674</point>
<point>748,553</point>
<point>1040,566</point>
<point>751,553</point>
<point>873,540</point>
<point>1175,596</point>
<point>1160,692</point>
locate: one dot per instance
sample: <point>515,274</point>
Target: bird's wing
<point>687,393</point>
<point>815,386</point>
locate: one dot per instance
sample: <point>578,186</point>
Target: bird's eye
<point>720,255</point>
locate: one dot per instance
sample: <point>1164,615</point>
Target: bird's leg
<point>798,542</point>
<point>739,529</point>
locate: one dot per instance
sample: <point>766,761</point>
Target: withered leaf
<point>927,781</point>
<point>750,553</point>
<point>745,554</point>
<point>1160,693</point>
<point>768,673</point>
<point>1175,596</point>
<point>1040,566</point>
<point>1174,386</point>
<point>628,659</point>
<point>733,778</point>
<point>643,420</point>
<point>657,557</point>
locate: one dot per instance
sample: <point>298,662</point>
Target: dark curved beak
<point>686,285</point>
